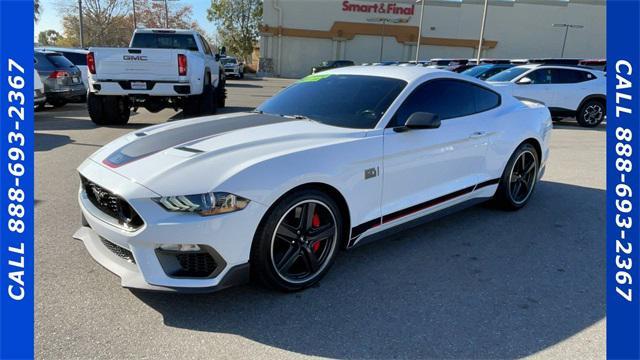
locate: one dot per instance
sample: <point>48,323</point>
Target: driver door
<point>426,167</point>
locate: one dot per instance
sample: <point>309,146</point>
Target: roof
<point>62,49</point>
<point>407,73</point>
<point>169,31</point>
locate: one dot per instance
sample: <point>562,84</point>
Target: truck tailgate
<point>136,64</point>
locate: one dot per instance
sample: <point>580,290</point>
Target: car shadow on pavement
<point>482,283</point>
<point>243,85</point>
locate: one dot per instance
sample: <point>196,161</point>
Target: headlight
<point>204,204</point>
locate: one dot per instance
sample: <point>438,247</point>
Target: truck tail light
<point>182,64</point>
<point>91,63</point>
<point>57,74</point>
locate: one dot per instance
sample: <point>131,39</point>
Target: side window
<point>447,98</point>
<point>567,76</point>
<point>205,46</point>
<point>541,76</point>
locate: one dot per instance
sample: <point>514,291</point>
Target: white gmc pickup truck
<point>162,68</point>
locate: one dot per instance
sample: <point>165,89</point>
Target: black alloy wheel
<point>523,177</point>
<point>519,178</point>
<point>303,241</point>
<point>297,241</point>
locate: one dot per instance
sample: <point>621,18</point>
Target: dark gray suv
<point>62,80</point>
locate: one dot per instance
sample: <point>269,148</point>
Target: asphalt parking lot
<point>481,283</point>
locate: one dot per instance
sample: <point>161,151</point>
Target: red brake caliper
<point>315,223</point>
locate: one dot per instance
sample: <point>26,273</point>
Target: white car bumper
<point>134,255</point>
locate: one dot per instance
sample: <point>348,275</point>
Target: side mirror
<point>525,81</point>
<point>420,120</point>
<point>217,57</point>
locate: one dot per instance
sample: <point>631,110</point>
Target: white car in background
<point>232,67</point>
<point>565,90</point>
<point>77,56</point>
<point>39,98</point>
<point>327,162</point>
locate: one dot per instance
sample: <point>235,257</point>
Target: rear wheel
<point>297,243</point>
<point>519,178</point>
<point>591,113</point>
<point>108,110</point>
<point>117,110</point>
<point>208,102</point>
<point>221,93</point>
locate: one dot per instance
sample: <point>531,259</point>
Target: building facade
<point>299,34</point>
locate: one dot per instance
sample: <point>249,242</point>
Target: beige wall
<point>520,28</point>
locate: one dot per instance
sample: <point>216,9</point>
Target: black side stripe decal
<point>360,229</point>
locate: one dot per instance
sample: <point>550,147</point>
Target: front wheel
<point>296,244</point>
<point>519,178</point>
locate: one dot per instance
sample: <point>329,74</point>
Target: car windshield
<point>350,101</point>
<point>509,74</point>
<point>226,61</point>
<point>477,70</point>
<point>164,41</point>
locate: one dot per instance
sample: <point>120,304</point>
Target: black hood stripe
<point>148,144</point>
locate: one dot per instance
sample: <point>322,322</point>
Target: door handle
<point>477,134</point>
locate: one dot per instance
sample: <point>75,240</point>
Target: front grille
<point>112,205</point>
<point>119,251</point>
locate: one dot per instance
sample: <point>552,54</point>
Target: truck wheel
<point>116,110</point>
<point>208,103</point>
<point>191,106</point>
<point>241,75</point>
<point>95,105</point>
<point>221,93</point>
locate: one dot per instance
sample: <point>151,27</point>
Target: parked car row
<point>568,87</point>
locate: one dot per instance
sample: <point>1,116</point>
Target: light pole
<point>566,32</point>
<point>484,22</point>
<point>135,21</point>
<point>166,12</point>
<point>384,21</point>
<point>81,32</point>
<point>420,30</point>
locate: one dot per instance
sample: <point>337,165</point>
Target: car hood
<point>214,147</point>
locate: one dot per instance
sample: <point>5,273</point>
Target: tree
<point>106,22</point>
<point>238,23</point>
<point>151,14</point>
<point>36,10</point>
<point>49,37</point>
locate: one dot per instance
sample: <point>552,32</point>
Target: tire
<point>191,106</point>
<point>95,106</point>
<point>221,93</point>
<point>241,75</point>
<point>117,110</point>
<point>208,102</point>
<point>519,178</point>
<point>298,257</point>
<point>591,113</point>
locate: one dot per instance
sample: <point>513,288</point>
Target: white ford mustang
<point>331,160</point>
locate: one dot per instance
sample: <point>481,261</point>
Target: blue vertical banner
<point>623,179</point>
<point>16,179</point>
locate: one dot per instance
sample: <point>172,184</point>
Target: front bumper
<point>228,235</point>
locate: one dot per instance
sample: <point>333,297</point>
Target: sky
<point>51,19</point>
